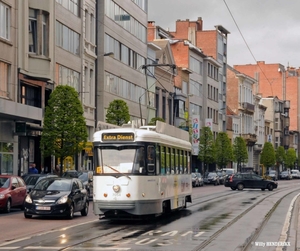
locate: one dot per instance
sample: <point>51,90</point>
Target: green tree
<point>290,158</point>
<point>207,151</point>
<point>280,156</point>
<point>268,157</point>
<point>240,154</point>
<point>64,131</point>
<point>224,151</point>
<point>117,112</point>
<point>153,120</point>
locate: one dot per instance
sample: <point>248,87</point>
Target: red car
<point>12,192</point>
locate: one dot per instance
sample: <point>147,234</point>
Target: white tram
<point>141,172</point>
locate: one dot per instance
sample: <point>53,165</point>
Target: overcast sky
<point>271,28</point>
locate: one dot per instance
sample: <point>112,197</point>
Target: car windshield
<point>272,172</point>
<point>54,185</point>
<point>211,175</point>
<point>83,177</point>
<point>220,173</point>
<point>4,182</point>
<point>31,180</point>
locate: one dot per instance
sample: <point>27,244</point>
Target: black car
<point>249,180</point>
<point>55,196</point>
<point>32,179</point>
<point>211,178</point>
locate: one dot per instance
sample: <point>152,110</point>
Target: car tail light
<point>230,179</point>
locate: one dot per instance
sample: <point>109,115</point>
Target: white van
<point>295,174</point>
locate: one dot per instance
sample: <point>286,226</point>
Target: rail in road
<point>221,220</point>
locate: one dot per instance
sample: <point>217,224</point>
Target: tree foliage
<point>280,155</point>
<point>290,158</point>
<point>64,130</point>
<point>267,157</point>
<point>240,154</point>
<point>117,112</point>
<point>224,151</point>
<point>207,150</point>
<point>153,120</point>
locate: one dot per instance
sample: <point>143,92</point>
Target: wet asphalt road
<point>218,219</point>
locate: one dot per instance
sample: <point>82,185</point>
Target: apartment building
<point>277,82</point>
<point>48,43</point>
<point>213,43</point>
<point>121,54</point>
<point>242,103</point>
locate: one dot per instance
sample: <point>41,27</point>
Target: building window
<point>71,5</point>
<point>38,32</point>
<point>4,21</point>
<point>67,38</point>
<point>30,95</point>
<point>68,77</point>
<point>4,76</point>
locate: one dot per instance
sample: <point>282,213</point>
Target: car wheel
<point>240,186</point>
<point>8,206</point>
<point>71,212</point>
<point>27,216</point>
<point>233,188</point>
<point>270,187</point>
<point>85,210</point>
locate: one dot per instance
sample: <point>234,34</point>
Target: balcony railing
<point>248,107</point>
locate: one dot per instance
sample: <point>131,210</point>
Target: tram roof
<point>161,133</point>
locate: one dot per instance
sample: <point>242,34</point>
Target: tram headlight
<point>116,188</point>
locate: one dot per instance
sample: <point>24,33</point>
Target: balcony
<point>249,138</point>
<point>248,107</point>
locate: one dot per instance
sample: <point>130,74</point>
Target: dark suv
<point>249,180</point>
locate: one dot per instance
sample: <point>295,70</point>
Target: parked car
<point>285,175</point>
<point>228,171</point>
<point>222,176</point>
<point>197,180</point>
<point>295,174</point>
<point>56,196</point>
<point>85,176</point>
<point>249,180</point>
<point>32,179</point>
<point>211,178</point>
<point>12,192</point>
<point>87,179</point>
<point>272,174</point>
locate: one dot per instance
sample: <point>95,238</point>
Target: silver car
<point>197,180</point>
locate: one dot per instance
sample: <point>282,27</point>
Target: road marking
<point>286,225</point>
<point>51,231</point>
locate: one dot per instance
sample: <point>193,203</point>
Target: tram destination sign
<point>118,137</point>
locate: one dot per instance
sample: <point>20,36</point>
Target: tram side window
<point>181,162</point>
<point>168,157</point>
<point>176,161</point>
<point>185,162</point>
<point>162,160</point>
<point>172,161</point>
<point>151,158</point>
<point>157,159</point>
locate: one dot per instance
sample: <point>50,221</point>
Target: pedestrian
<point>32,168</point>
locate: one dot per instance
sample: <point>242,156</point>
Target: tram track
<point>246,245</point>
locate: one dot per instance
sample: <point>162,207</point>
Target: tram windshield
<point>125,159</point>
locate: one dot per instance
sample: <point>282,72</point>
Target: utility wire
<point>247,45</point>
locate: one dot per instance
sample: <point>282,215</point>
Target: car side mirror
<point>90,180</point>
<point>13,187</point>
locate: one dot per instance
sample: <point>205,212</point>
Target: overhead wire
<point>247,44</point>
